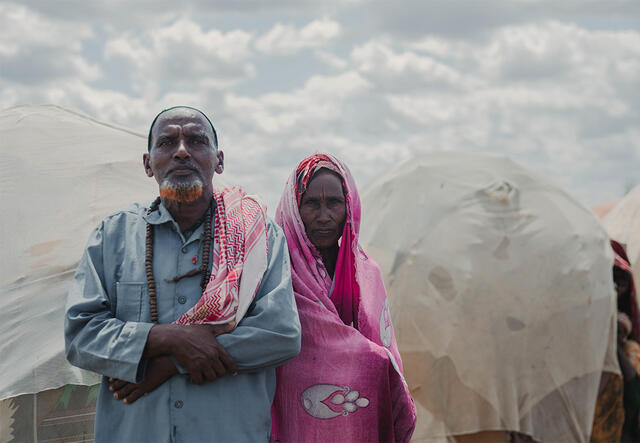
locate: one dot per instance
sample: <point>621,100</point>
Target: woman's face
<point>323,209</point>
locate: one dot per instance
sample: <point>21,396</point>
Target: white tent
<point>501,293</point>
<point>62,172</point>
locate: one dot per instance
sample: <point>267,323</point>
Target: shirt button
<point>182,299</point>
<point>178,404</point>
<point>184,249</point>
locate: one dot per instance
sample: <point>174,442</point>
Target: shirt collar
<point>159,216</point>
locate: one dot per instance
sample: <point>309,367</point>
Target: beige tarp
<point>603,209</point>
<point>501,293</point>
<point>61,173</point>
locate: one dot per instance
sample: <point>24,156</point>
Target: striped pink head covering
<point>346,292</point>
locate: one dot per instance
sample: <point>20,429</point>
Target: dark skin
<point>323,211</point>
<point>211,361</point>
<point>182,148</point>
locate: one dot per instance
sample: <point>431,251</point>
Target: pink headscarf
<point>347,383</point>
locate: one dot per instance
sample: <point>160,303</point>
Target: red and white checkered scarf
<point>239,259</point>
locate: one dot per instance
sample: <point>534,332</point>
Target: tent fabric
<point>62,173</point>
<point>501,293</point>
<point>603,209</point>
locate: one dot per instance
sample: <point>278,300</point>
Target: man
<point>186,322</point>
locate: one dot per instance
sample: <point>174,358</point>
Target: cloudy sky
<point>554,84</point>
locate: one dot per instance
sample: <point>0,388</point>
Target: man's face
<point>183,157</point>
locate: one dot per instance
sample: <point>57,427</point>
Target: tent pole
<point>35,418</point>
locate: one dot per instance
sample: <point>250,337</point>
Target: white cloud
<point>556,96</point>
<point>405,70</point>
<point>519,78</point>
<point>35,49</point>
<point>20,27</point>
<point>183,56</point>
<point>331,59</point>
<point>317,103</point>
<point>287,40</point>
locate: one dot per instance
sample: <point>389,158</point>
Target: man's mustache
<point>184,165</point>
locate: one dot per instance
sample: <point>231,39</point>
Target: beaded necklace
<point>148,261</point>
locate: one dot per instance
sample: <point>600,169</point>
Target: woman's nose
<point>323,215</point>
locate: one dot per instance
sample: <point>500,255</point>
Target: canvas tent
<point>501,295</point>
<point>62,172</point>
<point>603,209</point>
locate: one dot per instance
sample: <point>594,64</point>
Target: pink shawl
<point>347,383</point>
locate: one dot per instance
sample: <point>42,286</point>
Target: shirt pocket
<point>130,296</point>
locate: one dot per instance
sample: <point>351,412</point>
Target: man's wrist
<point>160,340</point>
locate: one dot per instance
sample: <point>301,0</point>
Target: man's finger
<point>210,374</point>
<point>133,396</point>
<point>219,368</point>
<point>116,385</point>
<point>227,361</point>
<point>196,377</point>
<point>124,391</point>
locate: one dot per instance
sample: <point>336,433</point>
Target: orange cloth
<point>609,416</point>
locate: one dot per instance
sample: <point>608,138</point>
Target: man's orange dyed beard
<point>181,194</point>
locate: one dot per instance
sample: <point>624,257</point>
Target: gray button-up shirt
<point>108,320</point>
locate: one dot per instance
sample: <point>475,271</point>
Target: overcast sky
<point>554,84</point>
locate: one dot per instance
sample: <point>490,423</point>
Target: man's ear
<point>146,161</point>
<point>220,167</point>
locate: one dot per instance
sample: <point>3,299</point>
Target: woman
<point>347,383</point>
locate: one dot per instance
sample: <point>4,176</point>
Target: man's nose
<point>182,152</point>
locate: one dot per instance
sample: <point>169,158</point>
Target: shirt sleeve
<point>94,338</point>
<point>269,334</point>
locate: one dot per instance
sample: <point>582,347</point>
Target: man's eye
<point>198,142</point>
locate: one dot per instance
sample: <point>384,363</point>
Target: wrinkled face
<point>183,157</point>
<point>323,209</point>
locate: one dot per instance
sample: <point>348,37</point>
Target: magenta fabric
<point>346,384</point>
<point>346,291</point>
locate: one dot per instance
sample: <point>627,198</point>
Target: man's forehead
<point>191,119</point>
<point>182,117</point>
